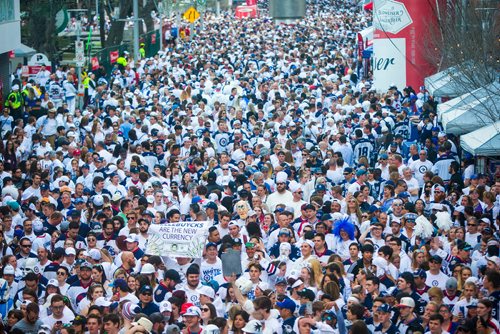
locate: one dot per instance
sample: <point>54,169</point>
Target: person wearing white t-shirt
<point>263,306</point>
<point>435,277</point>
<point>58,317</point>
<point>420,167</point>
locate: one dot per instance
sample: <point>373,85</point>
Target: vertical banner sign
<point>95,63</point>
<point>403,21</point>
<point>389,63</point>
<point>113,56</point>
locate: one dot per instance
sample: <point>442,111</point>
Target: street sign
<point>79,47</point>
<point>191,15</point>
<point>79,53</point>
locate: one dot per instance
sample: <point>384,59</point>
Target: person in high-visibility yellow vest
<point>122,61</point>
<point>15,102</point>
<point>142,51</point>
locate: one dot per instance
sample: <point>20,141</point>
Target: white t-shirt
<point>438,280</point>
<point>51,321</point>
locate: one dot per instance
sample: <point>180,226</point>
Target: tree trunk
<point>145,14</point>
<point>102,21</point>
<point>115,35</point>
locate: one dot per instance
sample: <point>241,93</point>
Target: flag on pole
<point>89,38</point>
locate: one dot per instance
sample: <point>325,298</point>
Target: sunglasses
<point>61,273</point>
<point>27,246</point>
<point>205,309</point>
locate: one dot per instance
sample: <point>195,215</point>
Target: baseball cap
<point>210,244</point>
<point>451,283</point>
<point>146,288</point>
<point>406,302</point>
<point>307,293</point>
<point>410,217</point>
<point>165,306</point>
<point>206,291</point>
<point>403,194</point>
<point>436,258</point>
<point>420,273</point>
<point>284,231</point>
<point>495,259</point>
<point>360,172</point>
<point>119,283</point>
<point>287,303</point>
<point>9,270</point>
<point>173,275</point>
<point>132,238</point>
<point>384,308</point>
<point>193,311</point>
<point>148,268</point>
<point>281,280</point>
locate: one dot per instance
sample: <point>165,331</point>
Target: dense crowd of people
<point>352,210</point>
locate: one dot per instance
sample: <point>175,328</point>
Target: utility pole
<point>79,100</point>
<point>136,30</point>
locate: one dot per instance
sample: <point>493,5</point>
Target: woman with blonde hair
<point>353,210</point>
<point>317,271</point>
<point>436,295</point>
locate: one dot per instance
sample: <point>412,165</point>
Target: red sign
<point>400,21</point>
<point>35,69</point>
<point>246,12</point>
<point>251,2</point>
<point>113,56</point>
<point>153,38</point>
<point>95,63</point>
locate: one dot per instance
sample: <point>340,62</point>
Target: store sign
<point>391,16</point>
<point>389,63</point>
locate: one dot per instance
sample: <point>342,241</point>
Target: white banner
<point>185,239</point>
<point>389,63</point>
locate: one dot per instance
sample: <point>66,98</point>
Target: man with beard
<point>31,322</point>
<point>282,195</point>
<point>167,286</point>
<point>78,290</point>
<point>192,284</point>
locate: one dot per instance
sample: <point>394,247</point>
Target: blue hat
<point>13,205</point>
<point>435,129</point>
<point>119,283</point>
<point>374,208</point>
<point>348,170</point>
<point>320,187</point>
<point>86,166</point>
<point>288,304</point>
<point>146,288</point>
<point>410,217</point>
<point>403,194</point>
<point>210,244</point>
<point>384,308</point>
<point>134,170</point>
<point>384,156</point>
<point>211,205</point>
<point>79,200</point>
<point>394,144</point>
<point>436,258</point>
<point>281,280</point>
<point>44,187</point>
<point>360,172</point>
<point>474,177</point>
<point>420,273</point>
